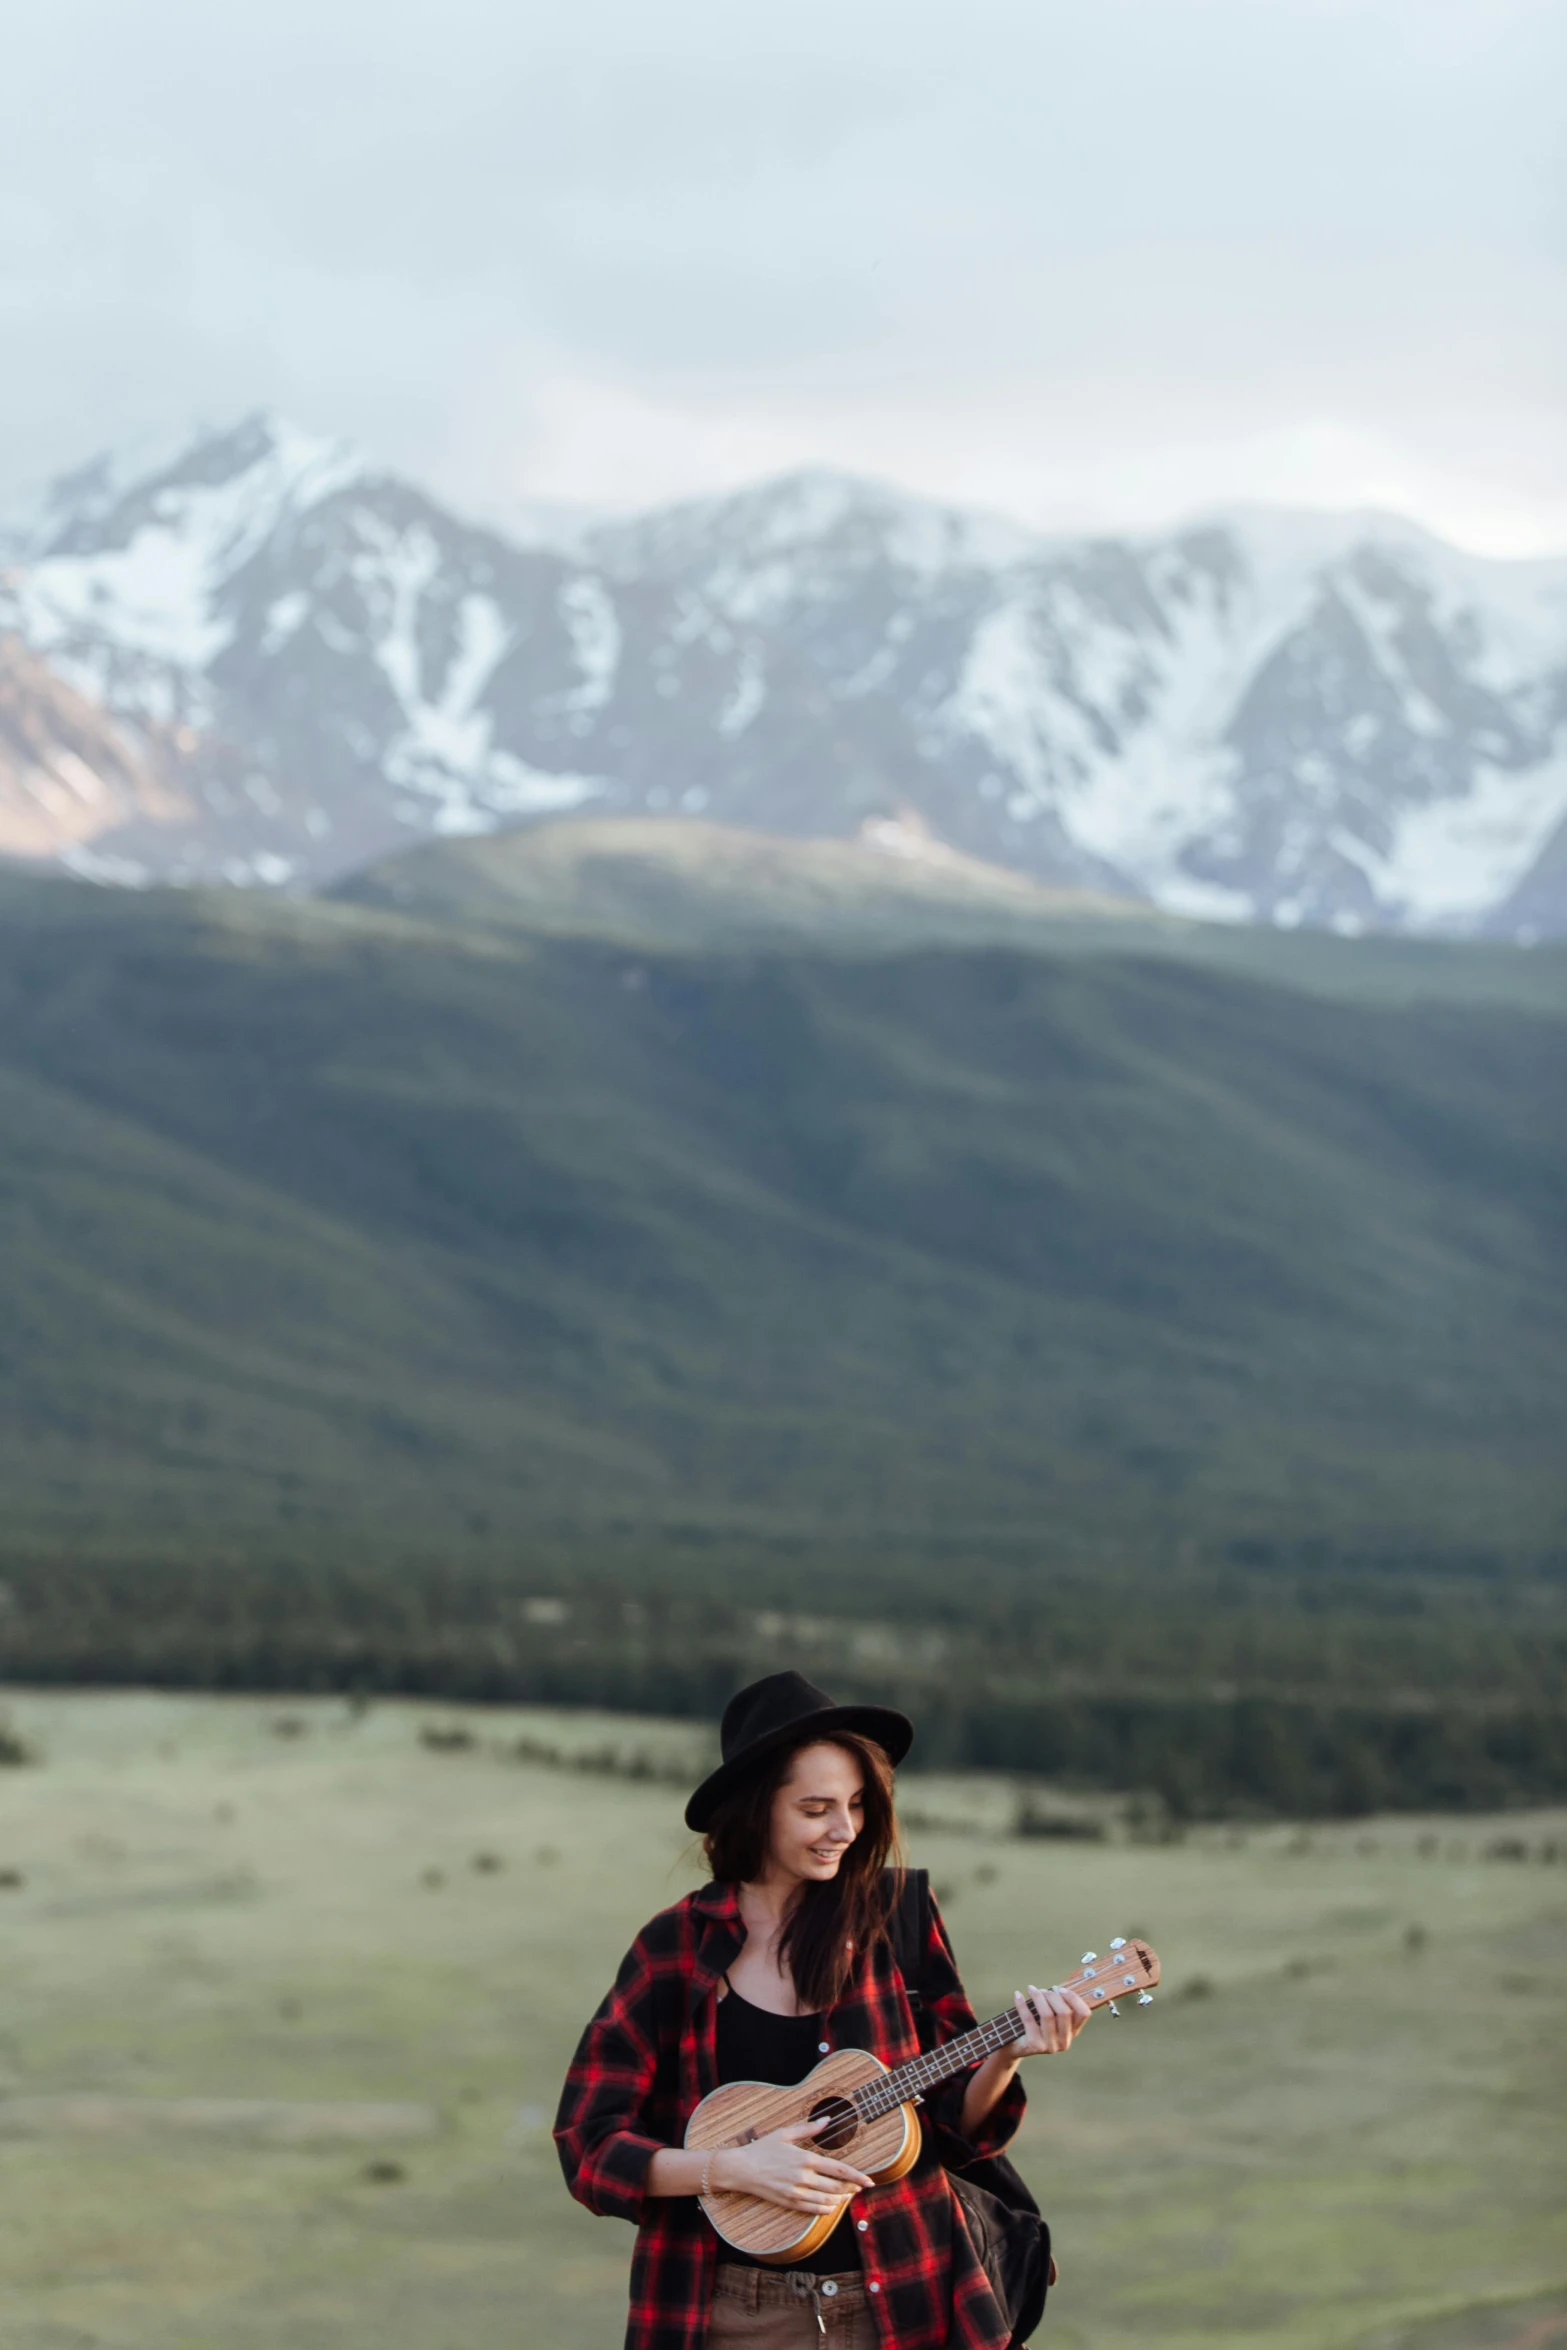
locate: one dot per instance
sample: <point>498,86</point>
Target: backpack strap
<point>908,1931</point>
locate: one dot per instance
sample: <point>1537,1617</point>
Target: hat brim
<point>892,1731</point>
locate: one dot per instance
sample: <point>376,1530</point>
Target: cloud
<point>1168,251</point>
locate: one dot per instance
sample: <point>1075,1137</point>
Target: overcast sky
<point>1093,262</point>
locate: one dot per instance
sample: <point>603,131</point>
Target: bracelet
<point>706,2167</point>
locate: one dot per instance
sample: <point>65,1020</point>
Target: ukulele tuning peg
<point>1119,1943</point>
<point>1114,2010</point>
<point>1145,1999</point>
<point>1089,1955</point>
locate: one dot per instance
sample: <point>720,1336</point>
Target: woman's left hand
<point>1051,2021</point>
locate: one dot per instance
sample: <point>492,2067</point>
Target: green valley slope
<point>335,1240</point>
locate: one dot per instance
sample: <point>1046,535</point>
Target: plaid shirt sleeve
<point>607,2129</point>
<point>948,2015</point>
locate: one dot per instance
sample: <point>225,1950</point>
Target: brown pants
<point>777,2309</point>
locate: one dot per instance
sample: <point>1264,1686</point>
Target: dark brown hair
<point>830,1923</point>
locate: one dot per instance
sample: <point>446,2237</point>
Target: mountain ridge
<point>1339,722</point>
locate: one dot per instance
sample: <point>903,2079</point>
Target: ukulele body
<point>741,2111</point>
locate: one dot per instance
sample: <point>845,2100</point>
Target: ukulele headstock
<point>1128,1968</point>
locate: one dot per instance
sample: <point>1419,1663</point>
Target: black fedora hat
<point>787,1710</point>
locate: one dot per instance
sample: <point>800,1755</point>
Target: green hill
<point>678,882</point>
<point>364,1275</point>
<point>667,882</point>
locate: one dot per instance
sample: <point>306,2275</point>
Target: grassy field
<point>286,1993</point>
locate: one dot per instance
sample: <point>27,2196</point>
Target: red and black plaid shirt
<point>646,2061</point>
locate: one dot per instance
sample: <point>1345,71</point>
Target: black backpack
<point>1008,2232</point>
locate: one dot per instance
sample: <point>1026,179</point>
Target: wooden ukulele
<point>872,2118</point>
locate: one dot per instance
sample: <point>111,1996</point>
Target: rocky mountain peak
<point>1331,720</point>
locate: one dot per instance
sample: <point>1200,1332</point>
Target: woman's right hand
<point>784,2167</point>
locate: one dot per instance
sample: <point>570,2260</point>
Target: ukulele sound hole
<point>841,2126</point>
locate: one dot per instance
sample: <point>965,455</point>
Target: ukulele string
<point>879,2097</point>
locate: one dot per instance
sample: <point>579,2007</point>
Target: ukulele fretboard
<point>939,2064</point>
<point>1125,1967</point>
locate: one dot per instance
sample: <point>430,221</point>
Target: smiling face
<point>818,1810</point>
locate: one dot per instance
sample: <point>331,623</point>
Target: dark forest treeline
<point>1474,1720</point>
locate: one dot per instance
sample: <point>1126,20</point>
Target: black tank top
<point>756,2045</point>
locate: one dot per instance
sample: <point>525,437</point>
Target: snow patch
<point>284,618</point>
<point>158,593</point>
<point>1454,860</point>
<point>109,871</point>
<point>593,624</point>
<point>745,697</point>
<point>394,577</point>
<point>151,596</point>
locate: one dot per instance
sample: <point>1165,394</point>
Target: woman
<point>785,1956</point>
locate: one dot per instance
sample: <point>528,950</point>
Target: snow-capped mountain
<point>1273,717</point>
